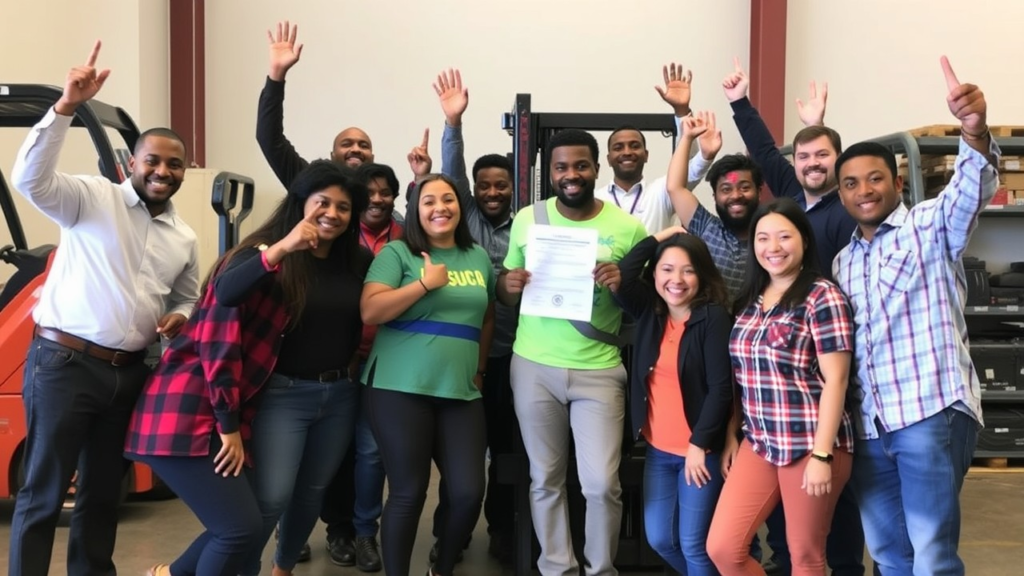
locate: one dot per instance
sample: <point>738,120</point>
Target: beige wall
<point>881,60</point>
<point>371,64</point>
<point>42,39</point>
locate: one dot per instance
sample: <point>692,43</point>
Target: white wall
<point>371,64</point>
<point>43,39</point>
<point>881,60</point>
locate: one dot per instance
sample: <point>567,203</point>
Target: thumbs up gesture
<point>966,102</point>
<point>434,275</point>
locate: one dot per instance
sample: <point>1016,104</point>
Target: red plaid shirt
<point>774,357</point>
<point>211,372</point>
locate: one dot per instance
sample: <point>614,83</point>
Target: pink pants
<point>752,491</point>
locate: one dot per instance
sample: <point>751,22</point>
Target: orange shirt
<point>666,428</point>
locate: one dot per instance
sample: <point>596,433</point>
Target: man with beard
<point>920,411</point>
<point>125,273</point>
<point>811,181</point>
<point>736,183</point>
<point>570,374</point>
<point>346,511</point>
<point>811,178</point>
<point>627,155</point>
<point>487,205</point>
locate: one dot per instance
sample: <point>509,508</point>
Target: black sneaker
<point>367,556</point>
<point>433,555</point>
<point>305,554</point>
<point>771,567</point>
<point>342,552</point>
<point>501,548</point>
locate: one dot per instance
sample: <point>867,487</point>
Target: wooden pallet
<point>944,130</point>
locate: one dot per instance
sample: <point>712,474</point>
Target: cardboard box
<point>1012,180</point>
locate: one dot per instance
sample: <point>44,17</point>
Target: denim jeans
<point>369,480</point>
<point>907,483</point>
<point>677,516</point>
<point>299,436</point>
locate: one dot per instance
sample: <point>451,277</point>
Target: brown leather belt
<point>115,357</point>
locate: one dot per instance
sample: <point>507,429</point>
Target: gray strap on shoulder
<point>540,216</point>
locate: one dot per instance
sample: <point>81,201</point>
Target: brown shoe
<point>159,570</point>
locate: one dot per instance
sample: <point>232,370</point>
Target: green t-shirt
<point>435,364</point>
<point>553,341</point>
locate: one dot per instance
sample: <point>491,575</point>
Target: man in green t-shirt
<point>556,367</point>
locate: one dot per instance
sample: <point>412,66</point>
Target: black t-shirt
<point>329,331</point>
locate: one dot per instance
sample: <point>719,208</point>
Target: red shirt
<point>375,241</point>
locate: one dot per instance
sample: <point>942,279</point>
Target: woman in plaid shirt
<point>199,408</point>
<point>791,350</point>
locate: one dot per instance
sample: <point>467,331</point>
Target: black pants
<point>410,430</point>
<point>226,506</point>
<point>338,508</point>
<point>77,410</point>
<point>502,424</point>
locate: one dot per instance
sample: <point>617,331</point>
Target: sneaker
<point>433,555</point>
<point>342,552</point>
<point>305,554</point>
<point>367,555</point>
<point>771,567</point>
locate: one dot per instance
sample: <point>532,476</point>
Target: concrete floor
<point>992,542</point>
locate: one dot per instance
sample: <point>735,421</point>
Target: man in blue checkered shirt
<point>920,408</point>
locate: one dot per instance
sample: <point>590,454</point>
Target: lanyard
<point>611,190</point>
<point>365,242</point>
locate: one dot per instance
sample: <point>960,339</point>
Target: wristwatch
<point>822,456</point>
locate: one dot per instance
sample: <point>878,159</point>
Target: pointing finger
<point>94,54</point>
<point>426,138</point>
<point>736,64</point>
<point>947,70</point>
<point>315,215</point>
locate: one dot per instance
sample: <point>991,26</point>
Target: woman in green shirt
<point>432,295</point>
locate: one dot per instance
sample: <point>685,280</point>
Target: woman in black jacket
<point>681,389</point>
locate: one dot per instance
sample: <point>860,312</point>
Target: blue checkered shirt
<point>908,288</point>
<point>728,252</point>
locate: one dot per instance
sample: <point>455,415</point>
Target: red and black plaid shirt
<point>211,373</point>
<point>775,361</point>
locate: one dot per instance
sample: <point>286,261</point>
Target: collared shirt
<point>727,251</point>
<point>374,240</point>
<point>492,237</point>
<point>117,270</point>
<point>831,223</point>
<point>774,358</point>
<point>650,203</point>
<point>908,288</point>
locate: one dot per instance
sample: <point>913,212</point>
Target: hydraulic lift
<point>531,131</point>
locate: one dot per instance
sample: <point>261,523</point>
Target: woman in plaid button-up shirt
<point>791,349</point>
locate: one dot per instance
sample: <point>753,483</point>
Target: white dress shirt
<point>117,270</point>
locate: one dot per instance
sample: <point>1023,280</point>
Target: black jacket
<point>705,371</point>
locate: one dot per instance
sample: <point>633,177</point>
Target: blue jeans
<point>907,483</point>
<point>677,516</point>
<point>369,480</point>
<point>299,436</point>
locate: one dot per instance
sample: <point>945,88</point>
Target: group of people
<point>799,362</point>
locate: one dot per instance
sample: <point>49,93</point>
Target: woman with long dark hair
<point>278,319</point>
<point>432,295</point>
<point>791,349</point>
<point>681,389</point>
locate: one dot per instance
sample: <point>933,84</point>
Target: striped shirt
<point>775,361</point>
<point>908,288</point>
<point>727,251</point>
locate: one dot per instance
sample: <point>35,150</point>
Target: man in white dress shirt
<point>627,154</point>
<point>126,271</point>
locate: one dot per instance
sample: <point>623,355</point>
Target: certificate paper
<point>561,263</point>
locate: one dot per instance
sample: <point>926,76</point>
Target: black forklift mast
<point>531,131</point>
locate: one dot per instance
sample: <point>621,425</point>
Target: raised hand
<point>419,158</point>
<point>82,84</point>
<point>967,103</point>
<point>283,51</point>
<point>453,96</point>
<point>694,126</point>
<point>434,275</point>
<point>669,232</point>
<point>711,139</point>
<point>676,92</point>
<point>737,83</point>
<point>813,112</point>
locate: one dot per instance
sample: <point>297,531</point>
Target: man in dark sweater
<point>811,181</point>
<point>351,539</point>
